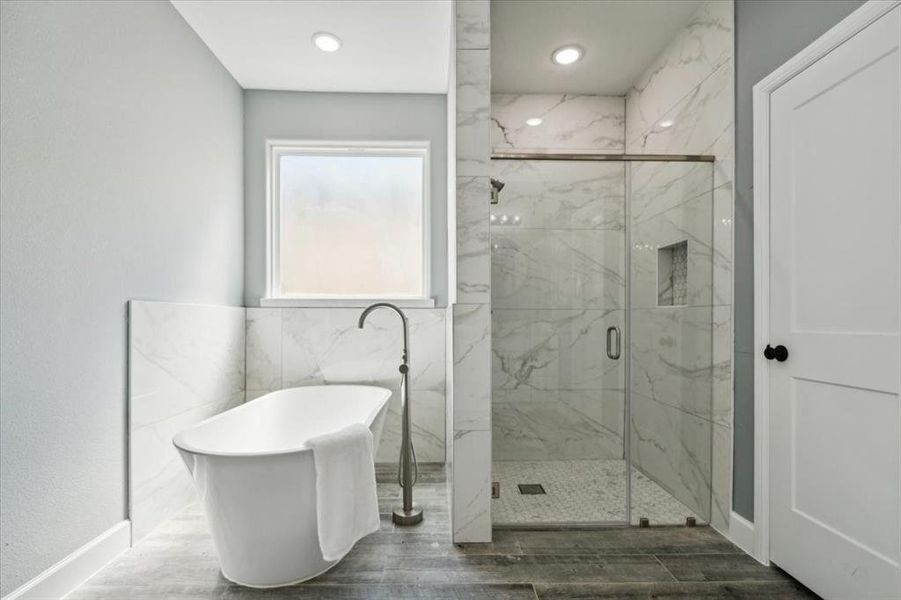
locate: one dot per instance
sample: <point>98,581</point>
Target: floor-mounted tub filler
<point>407,468</point>
<point>256,478</point>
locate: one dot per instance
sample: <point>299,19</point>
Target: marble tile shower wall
<point>569,122</point>
<point>288,347</point>
<point>682,401</point>
<point>558,283</point>
<point>185,364</point>
<point>470,452</point>
<point>557,279</point>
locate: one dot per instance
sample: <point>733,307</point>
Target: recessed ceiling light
<point>534,121</point>
<point>666,123</point>
<point>567,55</point>
<point>327,42</point>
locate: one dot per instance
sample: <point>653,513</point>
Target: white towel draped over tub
<point>347,502</point>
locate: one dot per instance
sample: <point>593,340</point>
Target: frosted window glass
<point>351,226</point>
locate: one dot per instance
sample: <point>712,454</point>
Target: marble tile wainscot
<point>289,347</point>
<point>185,364</point>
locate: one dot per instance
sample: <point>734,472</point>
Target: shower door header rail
<point>588,156</point>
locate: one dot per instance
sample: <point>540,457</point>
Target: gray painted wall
<point>120,178</point>
<point>767,33</point>
<point>333,116</point>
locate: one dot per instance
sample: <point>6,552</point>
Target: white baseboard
<point>741,533</point>
<point>78,567</point>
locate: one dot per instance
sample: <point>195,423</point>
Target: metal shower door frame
<point>627,160</point>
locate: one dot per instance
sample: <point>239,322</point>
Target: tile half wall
<point>185,364</point>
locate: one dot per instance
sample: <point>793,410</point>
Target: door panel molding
<point>843,31</point>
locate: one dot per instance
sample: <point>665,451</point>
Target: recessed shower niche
<point>672,274</point>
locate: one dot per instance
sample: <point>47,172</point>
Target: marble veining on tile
<point>326,346</point>
<point>689,223</point>
<point>569,122</point>
<point>288,347</point>
<point>473,24</point>
<point>561,194</point>
<point>722,231</point>
<point>473,242</point>
<point>427,416</point>
<point>557,278</point>
<point>673,447</point>
<point>472,486</point>
<point>264,349</point>
<point>538,349</point>
<point>186,363</point>
<point>469,334</point>
<point>658,187</point>
<point>473,108</point>
<point>684,104</point>
<point>701,122</point>
<point>698,50</point>
<point>584,424</point>
<point>672,357</point>
<point>472,366</point>
<point>550,268</point>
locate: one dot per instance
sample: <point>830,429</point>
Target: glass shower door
<point>673,319</point>
<point>559,275</point>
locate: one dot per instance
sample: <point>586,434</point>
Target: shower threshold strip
<point>586,156</point>
<point>562,525</point>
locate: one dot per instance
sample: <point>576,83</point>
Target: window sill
<point>343,303</point>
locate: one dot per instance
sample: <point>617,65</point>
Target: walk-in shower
<point>602,329</point>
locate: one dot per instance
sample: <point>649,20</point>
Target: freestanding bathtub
<point>255,476</point>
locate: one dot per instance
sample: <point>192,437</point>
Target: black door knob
<point>780,353</point>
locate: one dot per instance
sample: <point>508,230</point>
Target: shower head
<point>496,187</point>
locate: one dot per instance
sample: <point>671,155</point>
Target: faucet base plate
<point>407,517</point>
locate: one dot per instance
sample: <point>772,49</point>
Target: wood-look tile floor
<point>178,561</point>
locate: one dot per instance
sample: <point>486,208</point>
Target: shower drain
<point>531,489</point>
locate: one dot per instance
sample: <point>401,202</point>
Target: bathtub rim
<point>180,444</point>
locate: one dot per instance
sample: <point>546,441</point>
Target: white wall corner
<point>741,533</point>
<point>72,571</point>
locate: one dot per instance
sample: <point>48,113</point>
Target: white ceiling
<point>388,45</point>
<point>621,39</point>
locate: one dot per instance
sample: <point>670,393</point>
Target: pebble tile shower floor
<point>178,561</point>
<point>580,491</point>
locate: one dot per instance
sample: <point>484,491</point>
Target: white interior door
<point>835,425</point>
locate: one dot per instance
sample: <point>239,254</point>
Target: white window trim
<point>276,148</point>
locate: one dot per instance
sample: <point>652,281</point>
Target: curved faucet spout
<point>399,312</point>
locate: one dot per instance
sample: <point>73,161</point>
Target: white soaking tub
<point>255,476</point>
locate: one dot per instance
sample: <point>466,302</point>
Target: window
<point>348,221</point>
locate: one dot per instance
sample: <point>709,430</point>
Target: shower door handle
<point>614,346</point>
